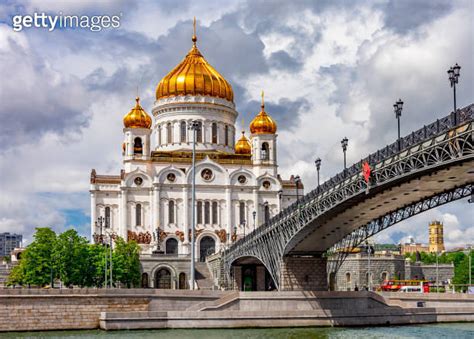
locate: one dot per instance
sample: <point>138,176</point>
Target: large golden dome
<point>194,76</point>
<point>137,117</point>
<point>243,145</point>
<point>263,123</point>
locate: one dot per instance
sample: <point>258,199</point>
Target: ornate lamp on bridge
<point>243,224</point>
<point>254,214</point>
<point>453,73</point>
<point>280,195</point>
<point>344,143</point>
<point>297,183</point>
<point>397,107</point>
<point>317,162</point>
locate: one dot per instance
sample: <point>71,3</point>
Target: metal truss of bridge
<point>428,168</point>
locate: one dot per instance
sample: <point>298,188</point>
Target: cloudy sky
<point>329,69</point>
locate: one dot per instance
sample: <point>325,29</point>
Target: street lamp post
<point>297,183</point>
<point>453,74</point>
<point>317,162</point>
<point>194,127</point>
<point>344,143</point>
<point>437,273</point>
<point>397,107</point>
<point>369,280</point>
<point>254,214</point>
<point>280,196</point>
<point>101,221</point>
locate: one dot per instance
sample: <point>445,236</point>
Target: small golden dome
<point>243,145</point>
<point>137,117</point>
<point>263,123</point>
<point>194,76</point>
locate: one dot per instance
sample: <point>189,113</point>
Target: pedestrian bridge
<point>425,169</point>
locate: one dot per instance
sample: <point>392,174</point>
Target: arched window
<point>264,153</point>
<point>159,135</point>
<point>199,132</point>
<point>182,281</point>
<point>183,131</point>
<point>241,213</point>
<point>207,212</point>
<point>348,281</point>
<point>169,133</point>
<point>144,280</point>
<point>171,246</point>
<point>163,279</point>
<point>107,217</point>
<point>171,212</point>
<point>214,133</point>
<point>137,146</point>
<point>226,135</point>
<point>214,212</point>
<point>138,214</point>
<point>199,212</point>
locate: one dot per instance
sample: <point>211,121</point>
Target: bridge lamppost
<point>194,127</point>
<point>344,143</point>
<point>397,107</point>
<point>254,214</point>
<point>280,195</point>
<point>453,74</point>
<point>243,224</point>
<point>297,183</point>
<point>317,162</point>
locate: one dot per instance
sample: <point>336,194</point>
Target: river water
<point>457,331</point>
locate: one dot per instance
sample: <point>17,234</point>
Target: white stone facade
<point>152,196</point>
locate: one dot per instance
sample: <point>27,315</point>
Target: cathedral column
<point>228,195</point>
<point>133,214</point>
<point>123,214</point>
<point>93,215</point>
<point>256,207</point>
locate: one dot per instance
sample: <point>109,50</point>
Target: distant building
<point>384,265</point>
<point>8,242</point>
<point>436,238</point>
<point>412,247</point>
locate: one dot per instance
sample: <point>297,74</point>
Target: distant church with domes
<point>238,187</point>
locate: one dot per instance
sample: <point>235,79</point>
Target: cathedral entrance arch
<point>207,246</point>
<point>163,279</point>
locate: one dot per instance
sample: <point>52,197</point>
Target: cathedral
<point>237,183</point>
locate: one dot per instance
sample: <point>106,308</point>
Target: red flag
<point>366,171</point>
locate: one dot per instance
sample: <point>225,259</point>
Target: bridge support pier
<point>303,274</point>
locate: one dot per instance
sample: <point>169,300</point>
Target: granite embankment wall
<point>35,309</point>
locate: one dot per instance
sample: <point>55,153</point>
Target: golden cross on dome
<point>263,100</point>
<point>194,39</point>
<point>243,125</point>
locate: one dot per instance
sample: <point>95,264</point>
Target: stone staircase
<point>203,276</point>
<point>5,270</point>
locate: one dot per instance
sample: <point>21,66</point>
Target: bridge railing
<point>427,132</point>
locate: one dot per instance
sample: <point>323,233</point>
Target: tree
<point>38,259</point>
<point>126,262</point>
<point>70,257</point>
<point>17,274</point>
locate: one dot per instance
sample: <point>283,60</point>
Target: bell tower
<point>137,124</point>
<point>436,237</point>
<point>263,138</point>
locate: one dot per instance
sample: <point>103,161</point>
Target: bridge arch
<point>249,273</point>
<point>426,169</point>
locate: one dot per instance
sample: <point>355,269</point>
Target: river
<point>432,331</point>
